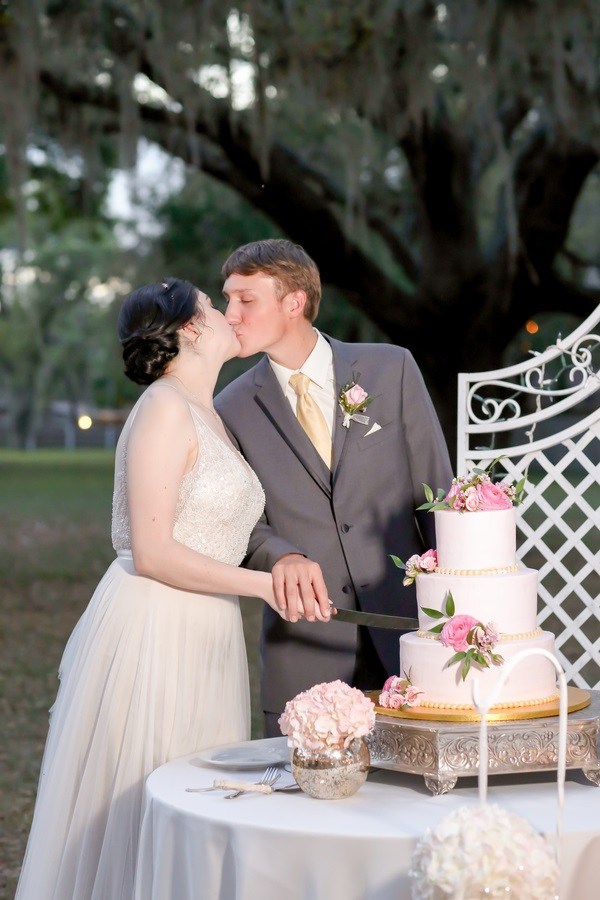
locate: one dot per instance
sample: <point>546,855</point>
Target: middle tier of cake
<point>508,600</point>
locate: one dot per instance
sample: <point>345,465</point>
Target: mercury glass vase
<point>332,774</point>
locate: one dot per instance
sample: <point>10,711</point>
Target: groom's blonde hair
<point>288,264</point>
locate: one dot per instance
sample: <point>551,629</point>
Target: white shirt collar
<point>317,366</point>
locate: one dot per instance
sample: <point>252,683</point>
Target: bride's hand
<point>300,589</point>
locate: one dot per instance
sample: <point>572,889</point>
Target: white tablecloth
<point>292,847</point>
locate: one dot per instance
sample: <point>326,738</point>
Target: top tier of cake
<point>475,541</point>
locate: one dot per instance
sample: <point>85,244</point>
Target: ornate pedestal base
<point>444,751</point>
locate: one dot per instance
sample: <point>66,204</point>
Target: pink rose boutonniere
<point>353,400</point>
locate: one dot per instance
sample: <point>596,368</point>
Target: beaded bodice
<point>220,501</point>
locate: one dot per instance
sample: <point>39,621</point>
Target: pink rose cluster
<point>479,493</point>
<point>399,692</point>
<point>415,564</point>
<point>327,716</point>
<point>464,633</point>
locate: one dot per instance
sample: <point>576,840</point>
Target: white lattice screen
<point>543,417</point>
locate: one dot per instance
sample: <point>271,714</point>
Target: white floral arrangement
<point>480,852</point>
<point>327,716</point>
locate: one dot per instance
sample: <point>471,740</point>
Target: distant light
<point>532,327</point>
<point>84,422</point>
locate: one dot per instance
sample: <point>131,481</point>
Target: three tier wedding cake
<point>477,606</point>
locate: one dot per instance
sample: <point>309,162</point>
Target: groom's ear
<point>295,302</point>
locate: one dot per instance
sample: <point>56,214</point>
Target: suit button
<point>346,528</point>
<point>346,589</point>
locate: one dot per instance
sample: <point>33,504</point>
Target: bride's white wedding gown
<point>150,673</point>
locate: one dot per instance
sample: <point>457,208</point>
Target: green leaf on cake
<point>397,561</point>
<point>480,659</point>
<point>428,493</point>
<point>450,606</point>
<point>466,666</point>
<point>437,628</point>
<point>432,613</point>
<point>519,489</point>
<point>441,493</point>
<point>456,658</point>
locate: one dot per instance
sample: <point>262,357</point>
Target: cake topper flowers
<point>475,492</point>
<point>353,400</point>
<point>327,716</point>
<point>473,641</point>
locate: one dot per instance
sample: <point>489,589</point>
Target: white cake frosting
<point>506,595</point>
<point>479,540</point>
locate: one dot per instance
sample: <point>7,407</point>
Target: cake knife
<point>375,620</point>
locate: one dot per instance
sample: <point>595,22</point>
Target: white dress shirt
<point>319,368</point>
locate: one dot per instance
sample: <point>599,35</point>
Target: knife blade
<point>375,620</point>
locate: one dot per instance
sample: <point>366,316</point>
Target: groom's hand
<point>300,590</point>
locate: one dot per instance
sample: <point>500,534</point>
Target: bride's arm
<point>162,447</point>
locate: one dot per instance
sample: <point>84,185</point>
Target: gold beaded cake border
<point>519,636</point>
<point>577,698</point>
<point>502,570</point>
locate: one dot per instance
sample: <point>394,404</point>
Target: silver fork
<point>270,777</point>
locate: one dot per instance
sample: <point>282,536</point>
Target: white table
<point>292,847</point>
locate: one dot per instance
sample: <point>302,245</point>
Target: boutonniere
<point>353,400</point>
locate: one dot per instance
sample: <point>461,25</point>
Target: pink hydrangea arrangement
<point>475,492</point>
<point>327,716</point>
<point>399,692</point>
<point>416,564</point>
<point>472,641</point>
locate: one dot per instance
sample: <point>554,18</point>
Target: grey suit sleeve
<point>426,446</point>
<point>265,547</point>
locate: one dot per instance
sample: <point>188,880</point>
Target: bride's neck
<point>199,386</point>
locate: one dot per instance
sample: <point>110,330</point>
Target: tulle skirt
<point>150,673</point>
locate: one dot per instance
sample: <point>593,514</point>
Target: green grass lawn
<point>54,546</point>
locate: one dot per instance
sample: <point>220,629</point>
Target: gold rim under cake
<point>577,698</point>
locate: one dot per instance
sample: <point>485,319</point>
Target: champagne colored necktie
<point>311,418</point>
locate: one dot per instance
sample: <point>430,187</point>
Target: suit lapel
<point>344,363</point>
<point>278,410</point>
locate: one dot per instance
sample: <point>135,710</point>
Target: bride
<point>156,666</point>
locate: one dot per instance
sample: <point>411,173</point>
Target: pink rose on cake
<point>493,496</point>
<point>475,492</point>
<point>456,631</point>
<point>472,641</point>
<point>428,561</point>
<point>416,564</point>
<point>399,692</point>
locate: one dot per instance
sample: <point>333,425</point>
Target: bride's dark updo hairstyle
<point>149,320</point>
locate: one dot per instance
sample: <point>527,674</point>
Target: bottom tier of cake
<point>425,662</point>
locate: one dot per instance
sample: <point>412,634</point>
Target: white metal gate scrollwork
<point>543,417</point>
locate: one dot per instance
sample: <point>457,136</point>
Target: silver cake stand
<point>444,751</point>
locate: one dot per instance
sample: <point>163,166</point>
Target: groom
<point>339,500</point>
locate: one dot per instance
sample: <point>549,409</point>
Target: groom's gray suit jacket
<point>348,520</point>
